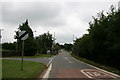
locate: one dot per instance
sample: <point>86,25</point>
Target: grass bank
<point>12,69</point>
<point>107,68</point>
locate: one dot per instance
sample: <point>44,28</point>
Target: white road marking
<point>86,74</point>
<point>109,74</point>
<point>95,73</point>
<point>90,73</point>
<point>50,61</point>
<point>49,58</point>
<point>70,62</point>
<point>106,72</point>
<point>67,60</point>
<point>48,72</point>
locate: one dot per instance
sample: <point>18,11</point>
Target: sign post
<point>22,54</point>
<point>23,35</point>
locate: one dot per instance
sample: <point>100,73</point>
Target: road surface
<point>63,66</point>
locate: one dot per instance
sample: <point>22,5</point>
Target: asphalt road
<point>63,66</point>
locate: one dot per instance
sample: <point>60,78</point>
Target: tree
<point>44,42</point>
<point>30,45</point>
<point>9,46</point>
<point>57,46</point>
<point>68,47</point>
<point>102,43</point>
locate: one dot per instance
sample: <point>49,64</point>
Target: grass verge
<point>38,56</point>
<point>12,69</point>
<point>107,68</point>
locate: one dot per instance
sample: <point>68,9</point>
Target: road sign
<point>23,35</point>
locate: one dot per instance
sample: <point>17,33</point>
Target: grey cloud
<point>64,38</point>
<point>61,18</point>
<point>40,13</point>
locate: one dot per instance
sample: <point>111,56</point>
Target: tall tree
<point>30,45</point>
<point>44,42</point>
<point>102,43</point>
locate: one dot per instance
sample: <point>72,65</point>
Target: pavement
<point>64,66</point>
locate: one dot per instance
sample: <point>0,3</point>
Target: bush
<point>8,53</point>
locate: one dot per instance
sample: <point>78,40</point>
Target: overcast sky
<point>65,18</point>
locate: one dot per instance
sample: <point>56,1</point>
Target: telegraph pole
<point>53,46</point>
<point>54,38</point>
<point>119,6</point>
<point>73,38</point>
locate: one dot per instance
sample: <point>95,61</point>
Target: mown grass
<point>38,56</point>
<point>12,69</point>
<point>107,68</point>
<point>4,50</point>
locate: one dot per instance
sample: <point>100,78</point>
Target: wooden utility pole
<point>119,6</point>
<point>54,39</point>
<point>73,38</point>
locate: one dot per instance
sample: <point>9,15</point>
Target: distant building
<point>119,5</point>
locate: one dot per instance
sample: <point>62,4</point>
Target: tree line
<point>102,43</point>
<point>33,45</point>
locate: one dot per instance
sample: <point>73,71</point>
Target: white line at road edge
<point>49,69</point>
<point>48,72</point>
<point>86,74</point>
<point>96,67</point>
<point>50,61</point>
